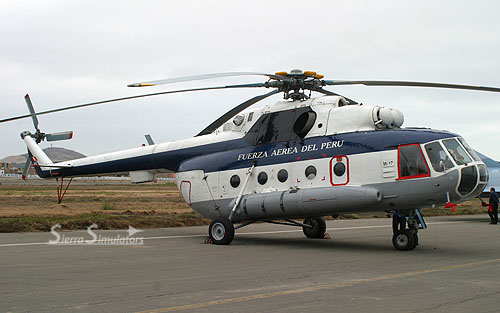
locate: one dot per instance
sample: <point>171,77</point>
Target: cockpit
<point>443,156</point>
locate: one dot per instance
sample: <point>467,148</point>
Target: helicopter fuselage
<point>302,158</point>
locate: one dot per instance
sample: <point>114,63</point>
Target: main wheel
<point>318,227</point>
<point>221,231</point>
<point>403,240</point>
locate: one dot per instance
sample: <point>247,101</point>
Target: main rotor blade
<point>408,84</point>
<point>226,117</point>
<point>256,85</point>
<point>32,111</point>
<point>329,93</point>
<point>200,77</point>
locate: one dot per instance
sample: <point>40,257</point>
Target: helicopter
<point>302,158</point>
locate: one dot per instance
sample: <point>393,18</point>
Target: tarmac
<point>267,268</point>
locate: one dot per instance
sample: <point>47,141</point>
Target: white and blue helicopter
<point>300,158</point>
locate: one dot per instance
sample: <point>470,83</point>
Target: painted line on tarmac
<point>347,283</point>
<point>24,244</point>
<point>294,230</point>
<point>239,234</point>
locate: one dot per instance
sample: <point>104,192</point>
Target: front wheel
<point>318,227</point>
<point>404,240</point>
<point>221,231</point>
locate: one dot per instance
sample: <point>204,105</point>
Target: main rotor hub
<point>295,83</point>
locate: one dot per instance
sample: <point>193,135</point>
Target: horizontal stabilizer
<point>53,165</point>
<point>138,177</point>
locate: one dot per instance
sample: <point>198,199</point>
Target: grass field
<point>33,206</point>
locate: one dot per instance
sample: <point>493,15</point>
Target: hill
<point>54,153</point>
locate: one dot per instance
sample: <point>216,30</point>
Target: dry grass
<point>33,207</point>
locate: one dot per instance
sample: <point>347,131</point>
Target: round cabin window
<point>339,169</point>
<point>310,172</point>
<point>235,181</point>
<point>282,175</point>
<point>262,178</point>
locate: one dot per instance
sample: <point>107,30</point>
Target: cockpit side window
<point>440,161</point>
<point>457,151</point>
<point>411,162</point>
<point>281,126</point>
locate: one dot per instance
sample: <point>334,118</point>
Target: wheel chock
<point>208,240</point>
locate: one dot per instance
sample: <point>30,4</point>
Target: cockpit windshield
<point>439,159</point>
<point>457,151</point>
<point>472,153</point>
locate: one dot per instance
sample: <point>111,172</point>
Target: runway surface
<point>267,268</point>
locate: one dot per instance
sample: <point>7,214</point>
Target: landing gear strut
<point>406,238</point>
<point>61,191</point>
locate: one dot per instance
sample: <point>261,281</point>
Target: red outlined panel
<point>186,184</point>
<point>428,174</point>
<point>339,180</point>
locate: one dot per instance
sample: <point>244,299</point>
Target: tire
<point>221,231</point>
<point>318,227</point>
<point>403,240</point>
<point>415,241</point>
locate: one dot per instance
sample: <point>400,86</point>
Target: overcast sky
<point>71,52</point>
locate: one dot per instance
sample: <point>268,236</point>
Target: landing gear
<point>314,227</point>
<point>406,238</point>
<point>221,231</point>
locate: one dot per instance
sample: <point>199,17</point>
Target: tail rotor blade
<point>32,111</point>
<point>26,167</point>
<point>59,136</point>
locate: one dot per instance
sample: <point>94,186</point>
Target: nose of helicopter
<point>473,179</point>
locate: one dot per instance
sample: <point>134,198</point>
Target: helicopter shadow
<point>304,243</point>
<point>464,218</point>
<point>428,249</point>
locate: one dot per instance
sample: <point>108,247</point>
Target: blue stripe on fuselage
<point>234,154</point>
<point>311,148</point>
<point>169,160</point>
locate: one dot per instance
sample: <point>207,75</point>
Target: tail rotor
<point>39,136</point>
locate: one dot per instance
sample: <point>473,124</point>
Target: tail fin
<point>37,153</point>
<point>37,156</point>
